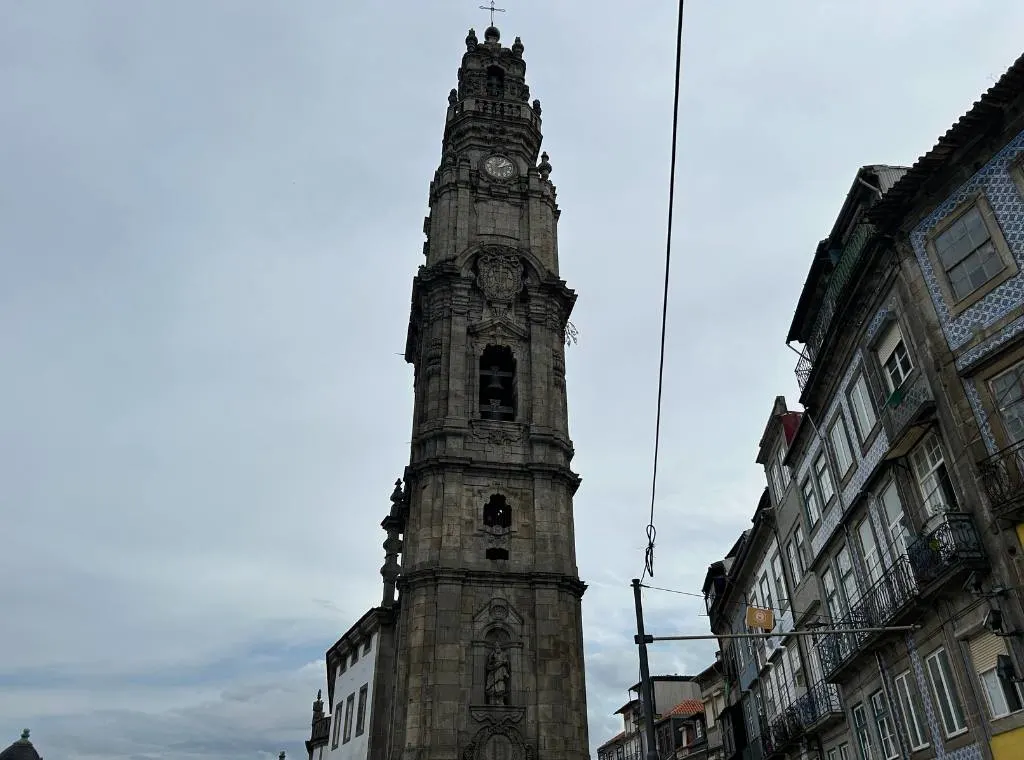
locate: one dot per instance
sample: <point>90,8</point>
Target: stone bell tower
<point>488,642</point>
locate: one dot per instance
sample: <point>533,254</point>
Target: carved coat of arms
<point>499,274</point>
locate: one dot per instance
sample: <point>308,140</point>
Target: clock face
<point>499,167</point>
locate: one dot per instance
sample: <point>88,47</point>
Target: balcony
<point>953,547</point>
<point>882,604</point>
<point>849,258</point>
<point>1002,477</point>
<point>321,731</point>
<point>904,412</point>
<point>815,710</point>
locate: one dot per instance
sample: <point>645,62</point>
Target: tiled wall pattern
<point>981,415</point>
<point>971,751</point>
<point>997,183</point>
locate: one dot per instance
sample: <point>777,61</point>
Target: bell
<point>495,384</point>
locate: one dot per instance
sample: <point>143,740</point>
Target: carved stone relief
<point>499,274</point>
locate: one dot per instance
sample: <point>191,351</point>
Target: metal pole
<point>780,634</point>
<point>646,690</point>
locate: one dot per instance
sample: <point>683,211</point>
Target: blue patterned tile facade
<point>996,180</point>
<point>974,355</point>
<point>971,751</point>
<point>981,415</point>
<point>889,310</point>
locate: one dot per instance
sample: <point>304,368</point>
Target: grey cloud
<point>209,221</point>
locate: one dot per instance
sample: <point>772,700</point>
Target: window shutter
<point>985,649</point>
<point>888,343</point>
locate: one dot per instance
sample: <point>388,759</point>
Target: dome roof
<point>21,750</point>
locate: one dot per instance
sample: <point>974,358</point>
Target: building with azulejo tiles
<point>896,496</point>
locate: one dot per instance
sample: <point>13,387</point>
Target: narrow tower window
<point>496,552</point>
<point>495,82</point>
<point>497,512</point>
<point>497,384</point>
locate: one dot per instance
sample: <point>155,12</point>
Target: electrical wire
<point>796,613</point>
<point>651,531</point>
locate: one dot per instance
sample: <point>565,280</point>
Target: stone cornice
<point>436,575</point>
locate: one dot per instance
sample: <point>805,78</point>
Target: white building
<point>354,687</point>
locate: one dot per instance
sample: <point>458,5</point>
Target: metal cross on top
<point>492,9</point>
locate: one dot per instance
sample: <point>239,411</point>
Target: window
<point>497,512</point>
<point>940,676</point>
<point>337,728</point>
<point>886,736</point>
<point>967,254</point>
<point>496,553</point>
<point>895,521</point>
<point>349,704</point>
<point>811,502</point>
<point>343,666</point>
<point>844,751</point>
<point>766,593</point>
<point>361,710</point>
<point>368,644</point>
<point>1008,391</point>
<point>863,410</point>
<point>776,479</point>
<point>832,601</point>
<point>796,566</point>
<point>498,384</point>
<point>841,446</point>
<point>781,456</point>
<point>793,656</point>
<point>894,358</point>
<point>824,478</point>
<point>911,710</point>
<point>1003,695</point>
<point>495,82</point>
<point>933,477</point>
<point>862,733</point>
<point>780,582</point>
<point>847,579</point>
<point>355,655</point>
<point>869,550</point>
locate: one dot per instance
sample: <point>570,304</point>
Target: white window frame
<point>951,707</point>
<point>795,561</point>
<point>872,554</point>
<point>862,731</point>
<point>841,446</point>
<point>894,357</point>
<point>917,730</point>
<point>776,480</point>
<point>781,458</point>
<point>824,477</point>
<point>927,458</point>
<point>887,740</point>
<point>898,535</point>
<point>811,506</point>
<point>1011,413</point>
<point>864,415</point>
<point>350,703</point>
<point>778,575</point>
<point>990,680</point>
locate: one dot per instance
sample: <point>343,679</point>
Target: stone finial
<point>281,756</point>
<point>536,107</point>
<point>492,35</point>
<point>453,97</point>
<point>24,734</point>
<point>517,48</point>
<point>544,167</point>
<point>471,41</point>
<point>397,496</point>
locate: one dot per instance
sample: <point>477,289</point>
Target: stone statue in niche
<point>499,673</point>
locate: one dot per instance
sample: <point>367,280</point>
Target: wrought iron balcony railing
<point>1002,477</point>
<point>819,703</point>
<point>850,256</point>
<point>878,606</point>
<point>952,546</point>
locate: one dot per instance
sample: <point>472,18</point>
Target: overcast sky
<point>210,216</point>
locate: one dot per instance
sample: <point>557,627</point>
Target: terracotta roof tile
<point>686,707</point>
